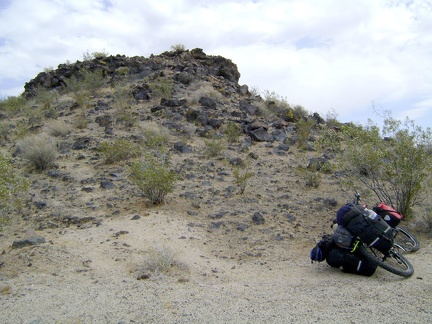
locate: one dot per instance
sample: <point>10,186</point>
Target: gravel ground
<point>90,275</point>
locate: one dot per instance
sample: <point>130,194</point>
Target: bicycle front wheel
<point>405,240</point>
<point>394,262</point>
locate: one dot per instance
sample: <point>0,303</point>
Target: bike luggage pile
<point>365,239</point>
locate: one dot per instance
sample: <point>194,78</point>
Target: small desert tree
<point>396,167</point>
<point>12,189</point>
<point>154,178</point>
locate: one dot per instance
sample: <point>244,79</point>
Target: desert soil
<point>95,274</point>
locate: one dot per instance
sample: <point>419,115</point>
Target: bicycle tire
<point>394,262</point>
<point>406,241</point>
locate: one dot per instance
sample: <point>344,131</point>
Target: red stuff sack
<point>389,214</point>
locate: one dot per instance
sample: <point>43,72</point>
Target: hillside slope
<point>236,258</point>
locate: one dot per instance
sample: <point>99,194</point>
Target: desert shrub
<point>13,105</point>
<point>122,104</point>
<point>86,82</point>
<point>163,259</point>
<point>241,177</point>
<point>5,130</point>
<point>13,188</point>
<point>38,150</point>
<point>21,129</point>
<point>119,150</point>
<point>80,122</point>
<point>232,132</point>
<point>213,147</point>
<point>92,80</point>
<point>178,47</point>
<point>395,168</point>
<point>303,131</point>
<point>300,112</point>
<point>161,87</point>
<point>87,56</point>
<point>155,139</point>
<point>313,179</point>
<point>331,119</point>
<point>204,89</point>
<point>46,100</point>
<point>154,178</point>
<point>330,140</point>
<point>58,128</point>
<point>273,99</point>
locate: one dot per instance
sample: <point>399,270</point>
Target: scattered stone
<point>106,184</point>
<point>40,204</point>
<point>143,276</point>
<point>258,218</point>
<point>36,240</point>
<point>120,233</point>
<point>136,217</point>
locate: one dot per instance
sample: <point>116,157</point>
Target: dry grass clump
<point>38,150</point>
<point>58,128</point>
<point>155,136</point>
<point>204,89</point>
<point>163,259</point>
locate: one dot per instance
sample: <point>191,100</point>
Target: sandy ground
<point>89,275</point>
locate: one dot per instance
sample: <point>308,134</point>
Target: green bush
<point>313,179</point>
<point>13,105</point>
<point>154,178</point>
<point>232,132</point>
<point>241,177</point>
<point>13,188</point>
<point>395,168</point>
<point>213,147</point>
<point>46,99</point>
<point>119,150</point>
<point>161,87</point>
<point>39,150</point>
<point>303,132</point>
<point>156,139</point>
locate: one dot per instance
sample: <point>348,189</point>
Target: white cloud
<point>319,54</point>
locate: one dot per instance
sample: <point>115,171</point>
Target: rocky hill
<point>87,231</point>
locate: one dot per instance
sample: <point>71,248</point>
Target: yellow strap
<point>355,246</point>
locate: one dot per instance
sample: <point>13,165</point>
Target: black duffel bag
<point>369,227</point>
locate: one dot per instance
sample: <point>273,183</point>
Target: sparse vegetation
<point>119,150</point>
<point>156,138</point>
<point>396,169</point>
<point>232,132</point>
<point>154,178</point>
<point>303,132</point>
<point>46,100</point>
<point>241,177</point>
<point>13,105</point>
<point>313,179</point>
<point>39,150</point>
<point>213,147</point>
<point>161,87</point>
<point>163,259</point>
<point>13,188</point>
<point>59,128</point>
<point>178,47</point>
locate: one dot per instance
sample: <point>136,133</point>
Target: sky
<point>353,59</point>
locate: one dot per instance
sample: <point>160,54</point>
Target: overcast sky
<point>326,55</point>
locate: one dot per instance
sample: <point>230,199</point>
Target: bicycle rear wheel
<point>405,240</point>
<point>394,262</point>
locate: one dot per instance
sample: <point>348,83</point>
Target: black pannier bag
<point>389,214</point>
<point>351,262</point>
<point>369,227</point>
